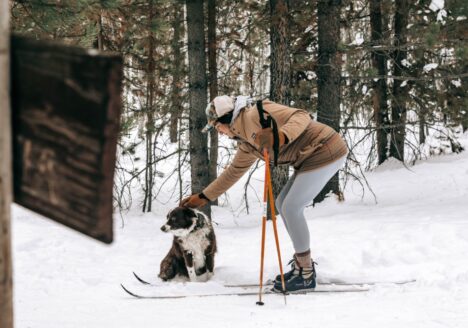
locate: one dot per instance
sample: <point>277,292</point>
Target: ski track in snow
<point>417,229</point>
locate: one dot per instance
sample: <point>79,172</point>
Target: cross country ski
<point>337,282</point>
<point>252,289</point>
<point>251,292</point>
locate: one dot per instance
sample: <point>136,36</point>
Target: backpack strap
<point>266,123</point>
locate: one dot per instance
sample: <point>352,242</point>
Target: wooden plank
<point>6,278</point>
<point>66,106</point>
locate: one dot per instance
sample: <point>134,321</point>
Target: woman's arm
<point>241,163</point>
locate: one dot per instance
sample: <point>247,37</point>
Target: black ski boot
<point>301,279</point>
<point>288,274</point>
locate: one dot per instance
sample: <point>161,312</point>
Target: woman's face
<point>223,129</point>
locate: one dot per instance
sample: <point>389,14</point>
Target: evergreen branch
<point>406,78</point>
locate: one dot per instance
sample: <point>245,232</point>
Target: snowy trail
<point>418,229</point>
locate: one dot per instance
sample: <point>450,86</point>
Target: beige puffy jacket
<point>310,144</point>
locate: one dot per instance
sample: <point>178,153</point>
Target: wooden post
<point>6,293</point>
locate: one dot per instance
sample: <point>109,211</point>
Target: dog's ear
<point>168,216</point>
<point>200,220</point>
<point>188,212</point>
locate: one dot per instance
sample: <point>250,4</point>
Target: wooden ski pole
<point>268,193</point>
<point>262,253</point>
<point>273,219</point>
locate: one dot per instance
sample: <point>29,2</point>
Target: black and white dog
<point>193,247</point>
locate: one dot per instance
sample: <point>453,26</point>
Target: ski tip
<point>129,292</point>
<point>140,280</point>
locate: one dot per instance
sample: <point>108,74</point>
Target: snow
<point>92,52</point>
<point>358,39</point>
<point>456,83</point>
<point>436,5</point>
<point>416,229</point>
<point>429,67</point>
<point>405,63</point>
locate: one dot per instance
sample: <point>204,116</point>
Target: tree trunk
<point>6,279</point>
<point>149,175</point>
<point>280,72</point>
<point>100,35</point>
<point>422,125</point>
<point>329,75</point>
<point>177,78</point>
<point>397,140</point>
<point>197,97</point>
<point>213,82</point>
<point>379,97</point>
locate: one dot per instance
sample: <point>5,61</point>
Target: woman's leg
<point>304,188</point>
<point>299,191</point>
<point>279,200</point>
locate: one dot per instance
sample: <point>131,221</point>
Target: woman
<point>315,150</point>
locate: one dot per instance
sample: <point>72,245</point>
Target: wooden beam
<point>66,105</point>
<point>6,280</point>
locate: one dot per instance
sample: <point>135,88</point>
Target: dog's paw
<point>204,277</point>
<point>165,276</point>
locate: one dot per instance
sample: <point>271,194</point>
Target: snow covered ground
<point>418,229</point>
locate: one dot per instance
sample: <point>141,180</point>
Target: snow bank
<point>417,229</point>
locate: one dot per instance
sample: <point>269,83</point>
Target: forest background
<point>390,76</point>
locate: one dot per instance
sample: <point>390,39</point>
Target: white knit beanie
<point>223,105</point>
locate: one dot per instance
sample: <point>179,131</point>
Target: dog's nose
<point>164,228</point>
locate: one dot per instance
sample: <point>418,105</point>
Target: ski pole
<point>273,219</point>
<point>268,193</point>
<point>262,253</point>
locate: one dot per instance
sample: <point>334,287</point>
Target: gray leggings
<point>298,192</point>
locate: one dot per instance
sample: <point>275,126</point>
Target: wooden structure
<point>66,108</point>
<point>6,281</point>
<point>59,123</point>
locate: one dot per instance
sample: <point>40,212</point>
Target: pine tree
<point>329,75</point>
<point>379,97</point>
<point>399,103</point>
<point>412,86</point>
<point>280,72</point>
<point>197,96</point>
<point>213,83</point>
<point>178,69</point>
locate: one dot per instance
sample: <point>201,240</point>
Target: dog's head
<point>182,220</point>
